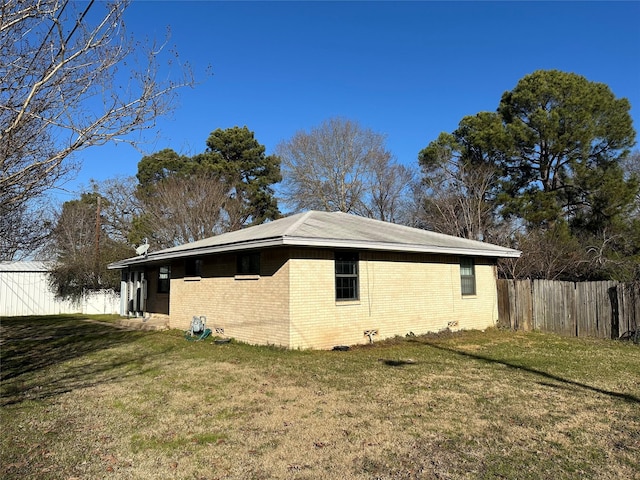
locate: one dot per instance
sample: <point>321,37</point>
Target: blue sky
<point>409,70</point>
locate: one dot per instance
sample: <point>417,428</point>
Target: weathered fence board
<point>515,306</point>
<point>629,308</point>
<point>583,309</point>
<point>524,305</point>
<point>554,306</point>
<point>504,311</point>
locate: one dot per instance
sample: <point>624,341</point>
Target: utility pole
<point>97,239</point>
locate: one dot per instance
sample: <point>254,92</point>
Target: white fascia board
<point>319,243</point>
<point>401,247</point>
<point>194,252</point>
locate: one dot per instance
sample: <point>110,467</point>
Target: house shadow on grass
<point>396,363</point>
<point>565,383</point>
<point>28,345</point>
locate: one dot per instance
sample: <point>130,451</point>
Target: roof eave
<point>319,243</point>
<point>401,247</point>
<point>232,247</point>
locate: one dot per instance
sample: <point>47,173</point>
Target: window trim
<point>347,256</point>
<point>466,262</point>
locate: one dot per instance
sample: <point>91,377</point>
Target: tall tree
<point>390,184</point>
<point>159,166</point>
<point>228,186</point>
<point>186,208</point>
<point>235,155</point>
<point>82,249</point>
<point>568,135</point>
<point>342,166</point>
<point>556,145</point>
<point>631,168</point>
<point>120,206</point>
<point>60,61</point>
<point>460,179</point>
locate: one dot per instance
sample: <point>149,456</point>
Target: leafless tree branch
<point>340,166</point>
<point>186,209</point>
<point>71,78</point>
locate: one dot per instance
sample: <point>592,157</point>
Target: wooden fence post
<point>615,311</point>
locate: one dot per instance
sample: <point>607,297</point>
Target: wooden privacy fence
<point>582,309</point>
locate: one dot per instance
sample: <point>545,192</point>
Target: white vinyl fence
<point>24,290</point>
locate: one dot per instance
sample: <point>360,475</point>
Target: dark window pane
<point>164,279</point>
<point>193,267</point>
<point>346,288</point>
<point>467,276</point>
<point>249,264</point>
<point>346,267</point>
<point>468,286</point>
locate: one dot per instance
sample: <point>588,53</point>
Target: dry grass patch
<point>456,406</point>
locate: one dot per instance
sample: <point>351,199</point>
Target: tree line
<point>550,171</point>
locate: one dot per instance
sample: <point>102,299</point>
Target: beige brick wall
<point>253,309</point>
<point>399,293</point>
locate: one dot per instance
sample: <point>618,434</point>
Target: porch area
<point>140,323</point>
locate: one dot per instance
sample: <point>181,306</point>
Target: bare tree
<point>390,187</point>
<point>82,249</point>
<point>631,169</point>
<point>25,230</point>
<point>340,166</point>
<point>551,255</point>
<point>454,198</point>
<point>63,89</point>
<point>183,209</point>
<point>120,207</point>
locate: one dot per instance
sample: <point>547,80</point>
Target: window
<point>467,276</point>
<point>193,267</point>
<point>347,276</point>
<point>248,263</point>
<point>164,279</point>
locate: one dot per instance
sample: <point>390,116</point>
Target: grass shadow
<point>30,344</point>
<point>396,363</point>
<point>623,396</point>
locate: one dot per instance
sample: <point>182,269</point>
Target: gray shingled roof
<point>328,230</point>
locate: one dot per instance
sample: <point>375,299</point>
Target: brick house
<point>318,280</point>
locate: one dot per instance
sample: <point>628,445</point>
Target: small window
<point>347,276</point>
<point>467,276</point>
<point>193,267</point>
<point>249,263</point>
<point>164,279</point>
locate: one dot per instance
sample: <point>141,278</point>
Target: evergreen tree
<point>237,156</point>
<point>558,144</point>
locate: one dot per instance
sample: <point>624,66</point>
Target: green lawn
<point>85,400</point>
